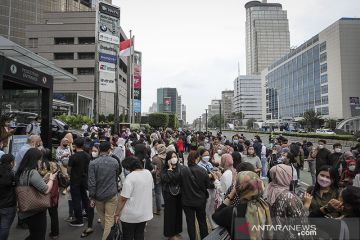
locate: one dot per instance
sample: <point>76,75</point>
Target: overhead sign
<point>109,38</point>
<point>27,74</point>
<point>107,82</point>
<point>107,67</point>
<point>109,10</point>
<point>103,57</point>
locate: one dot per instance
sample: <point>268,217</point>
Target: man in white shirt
<point>34,127</point>
<point>135,203</point>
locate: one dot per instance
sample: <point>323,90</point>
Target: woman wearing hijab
<point>285,205</point>
<point>63,152</point>
<point>229,175</point>
<point>252,206</point>
<point>158,162</point>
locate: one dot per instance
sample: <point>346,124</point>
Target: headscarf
<point>281,176</point>
<point>170,148</point>
<point>121,142</point>
<point>227,163</point>
<point>250,188</point>
<point>227,149</point>
<point>63,141</point>
<point>161,149</point>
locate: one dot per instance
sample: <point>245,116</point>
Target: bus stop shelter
<point>22,70</point>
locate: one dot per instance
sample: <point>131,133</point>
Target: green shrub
<point>75,121</point>
<point>157,120</point>
<point>173,121</point>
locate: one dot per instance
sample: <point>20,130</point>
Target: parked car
<point>302,130</point>
<point>325,131</point>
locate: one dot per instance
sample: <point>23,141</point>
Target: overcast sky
<point>195,45</point>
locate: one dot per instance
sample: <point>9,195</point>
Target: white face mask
<point>219,152</point>
<point>338,150</point>
<point>94,154</point>
<point>206,158</point>
<point>174,161</point>
<point>352,168</point>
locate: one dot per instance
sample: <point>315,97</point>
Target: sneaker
<point>76,223</point>
<point>69,219</point>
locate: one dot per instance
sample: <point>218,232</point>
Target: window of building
<point>324,89</point>
<point>325,111</point>
<point>322,46</point>
<point>323,57</point>
<point>324,100</point>
<point>323,68</point>
<point>70,70</point>
<point>324,78</point>
<point>86,71</point>
<point>63,56</point>
<point>33,42</point>
<point>86,55</point>
<point>64,41</point>
<point>86,40</point>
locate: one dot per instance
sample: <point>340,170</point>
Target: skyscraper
<point>267,35</point>
<point>167,99</point>
<point>178,107</point>
<point>227,102</point>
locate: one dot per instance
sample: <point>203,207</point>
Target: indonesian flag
<point>126,48</point>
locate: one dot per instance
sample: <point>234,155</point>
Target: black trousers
<point>80,201</point>
<point>133,231</point>
<point>54,218</point>
<point>37,226</point>
<point>172,214</point>
<point>201,218</point>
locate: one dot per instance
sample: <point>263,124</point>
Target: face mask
<point>321,146</point>
<point>219,152</point>
<point>337,150</point>
<point>206,158</point>
<point>236,141</point>
<point>174,161</point>
<point>274,152</point>
<point>352,168</point>
<point>323,181</point>
<point>94,154</point>
<point>206,140</point>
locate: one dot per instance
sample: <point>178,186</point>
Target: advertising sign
<point>107,81</point>
<point>107,48</point>
<point>107,67</point>
<point>137,94</point>
<point>109,10</point>
<point>103,57</point>
<point>137,105</point>
<point>167,104</point>
<point>109,38</point>
<point>137,75</point>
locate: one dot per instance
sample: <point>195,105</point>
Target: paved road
<point>154,228</point>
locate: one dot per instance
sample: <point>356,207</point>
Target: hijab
<point>63,141</point>
<point>281,176</point>
<point>250,188</point>
<point>161,149</point>
<point>227,163</point>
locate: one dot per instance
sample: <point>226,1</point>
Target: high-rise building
<point>153,108</point>
<point>16,14</point>
<point>227,104</point>
<point>214,108</point>
<point>68,40</point>
<point>267,35</point>
<point>183,113</point>
<point>167,100</point>
<point>248,96</point>
<point>178,107</point>
<point>322,74</point>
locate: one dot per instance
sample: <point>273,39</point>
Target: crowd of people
<point>128,177</point>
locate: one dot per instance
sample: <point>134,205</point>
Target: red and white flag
<point>126,48</point>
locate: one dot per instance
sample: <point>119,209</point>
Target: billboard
<point>137,105</point>
<point>107,81</point>
<point>107,67</point>
<point>103,57</point>
<point>167,104</point>
<point>137,81</point>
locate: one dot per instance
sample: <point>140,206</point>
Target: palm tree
<point>312,119</point>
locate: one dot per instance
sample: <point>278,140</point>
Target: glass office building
<point>167,99</point>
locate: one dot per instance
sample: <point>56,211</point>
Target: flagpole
<point>131,83</point>
<point>132,72</point>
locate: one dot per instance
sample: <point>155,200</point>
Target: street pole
<point>200,125</point>
<point>206,120</point>
<point>131,83</point>
<point>220,114</point>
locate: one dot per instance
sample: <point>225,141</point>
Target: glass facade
<point>298,83</point>
<point>167,94</point>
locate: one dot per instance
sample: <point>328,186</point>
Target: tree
<point>214,121</point>
<point>157,120</point>
<point>330,123</point>
<point>238,116</point>
<point>250,123</point>
<point>173,121</point>
<point>312,119</point>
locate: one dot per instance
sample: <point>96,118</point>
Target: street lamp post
<point>200,125</point>
<point>220,114</point>
<point>206,120</point>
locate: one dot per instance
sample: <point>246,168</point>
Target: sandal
<point>87,232</point>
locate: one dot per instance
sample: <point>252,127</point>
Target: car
<point>325,131</point>
<point>301,130</point>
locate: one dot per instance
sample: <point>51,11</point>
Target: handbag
<point>115,233</point>
<point>30,199</point>
<point>218,233</point>
<point>63,180</point>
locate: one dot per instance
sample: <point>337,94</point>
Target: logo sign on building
<point>107,48</point>
<point>107,67</point>
<point>103,57</point>
<point>137,94</point>
<point>109,10</point>
<point>167,104</point>
<point>107,82</point>
<point>109,38</point>
<point>137,75</point>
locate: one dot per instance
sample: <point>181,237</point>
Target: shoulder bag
<point>30,199</point>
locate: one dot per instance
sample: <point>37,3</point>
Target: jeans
<point>133,231</point>
<point>312,167</point>
<point>37,226</point>
<point>201,218</point>
<point>79,198</point>
<point>158,196</point>
<point>7,216</point>
<point>106,211</point>
<point>54,218</point>
<point>263,167</point>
